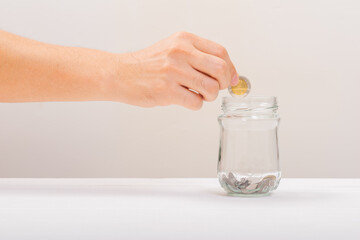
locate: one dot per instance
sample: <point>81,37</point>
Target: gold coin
<point>241,89</point>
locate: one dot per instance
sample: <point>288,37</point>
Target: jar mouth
<point>249,103</point>
<point>249,99</point>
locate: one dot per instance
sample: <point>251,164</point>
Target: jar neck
<point>254,107</point>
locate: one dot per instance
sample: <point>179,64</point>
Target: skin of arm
<point>162,74</point>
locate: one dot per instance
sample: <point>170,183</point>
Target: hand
<point>170,71</point>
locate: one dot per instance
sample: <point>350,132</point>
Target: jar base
<point>249,185</point>
<point>252,195</point>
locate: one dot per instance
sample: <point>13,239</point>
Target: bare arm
<point>161,74</point>
<point>34,71</point>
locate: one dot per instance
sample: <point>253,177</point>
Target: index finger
<point>216,49</point>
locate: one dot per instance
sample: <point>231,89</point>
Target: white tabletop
<point>170,209</point>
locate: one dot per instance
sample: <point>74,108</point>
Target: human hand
<point>164,73</point>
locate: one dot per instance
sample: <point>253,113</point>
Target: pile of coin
<point>247,186</point>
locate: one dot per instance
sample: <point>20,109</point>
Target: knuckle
<point>210,88</point>
<point>174,51</point>
<point>222,52</point>
<point>168,68</point>
<point>182,35</point>
<point>174,46</point>
<point>220,67</point>
<point>177,48</point>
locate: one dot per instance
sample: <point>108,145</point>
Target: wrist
<point>109,66</point>
<point>118,80</point>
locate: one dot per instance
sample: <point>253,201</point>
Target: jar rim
<point>250,104</point>
<point>247,99</point>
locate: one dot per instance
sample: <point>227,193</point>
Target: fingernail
<point>235,80</point>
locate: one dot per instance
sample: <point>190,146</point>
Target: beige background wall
<point>305,52</point>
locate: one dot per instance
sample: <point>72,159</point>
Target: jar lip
<point>249,99</point>
<point>249,104</point>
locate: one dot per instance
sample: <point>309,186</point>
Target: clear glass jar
<point>248,155</point>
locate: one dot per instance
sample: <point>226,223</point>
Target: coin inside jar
<point>241,89</point>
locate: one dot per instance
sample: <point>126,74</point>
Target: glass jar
<point>248,155</point>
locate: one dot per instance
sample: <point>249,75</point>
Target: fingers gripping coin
<point>241,89</point>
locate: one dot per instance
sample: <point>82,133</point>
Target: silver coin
<point>252,186</point>
<point>231,178</point>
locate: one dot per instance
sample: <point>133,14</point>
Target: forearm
<point>31,71</point>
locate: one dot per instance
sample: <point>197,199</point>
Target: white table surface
<point>176,209</point>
